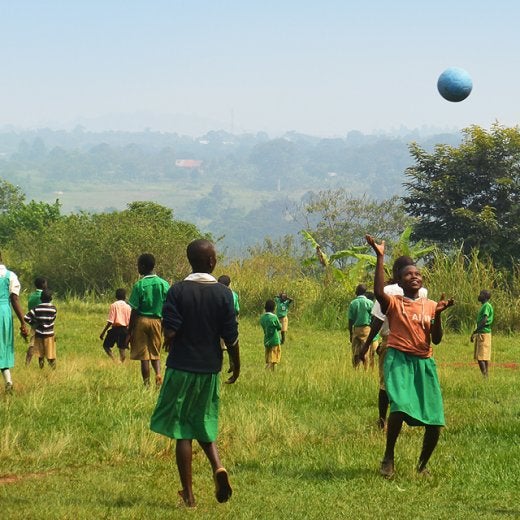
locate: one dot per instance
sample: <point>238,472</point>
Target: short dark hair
<point>270,306</point>
<point>120,294</point>
<point>147,261</point>
<point>361,289</point>
<point>224,279</point>
<point>485,294</point>
<point>40,282</point>
<point>46,296</point>
<point>370,295</point>
<point>399,263</point>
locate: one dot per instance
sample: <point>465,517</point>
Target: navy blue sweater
<point>200,313</point>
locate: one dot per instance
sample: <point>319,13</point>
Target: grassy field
<point>299,443</point>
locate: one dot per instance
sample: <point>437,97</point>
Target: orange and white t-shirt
<point>410,323</point>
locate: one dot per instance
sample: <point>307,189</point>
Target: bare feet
<point>223,489</point>
<point>387,469</point>
<point>188,502</point>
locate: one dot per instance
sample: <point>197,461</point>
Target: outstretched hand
<point>443,304</point>
<point>378,248</point>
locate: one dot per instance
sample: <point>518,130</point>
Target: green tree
<point>339,221</point>
<point>469,194</point>
<point>98,252</point>
<point>10,196</point>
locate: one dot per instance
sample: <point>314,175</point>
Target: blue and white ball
<point>454,84</point>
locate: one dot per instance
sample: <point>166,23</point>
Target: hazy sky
<point>322,67</point>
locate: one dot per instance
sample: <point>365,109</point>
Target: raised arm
<point>379,278</point>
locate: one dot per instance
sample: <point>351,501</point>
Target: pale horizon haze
<point>321,68</point>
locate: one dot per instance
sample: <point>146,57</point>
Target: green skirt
<point>413,388</point>
<point>188,406</point>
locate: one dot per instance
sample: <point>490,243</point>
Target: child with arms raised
<point>410,372</point>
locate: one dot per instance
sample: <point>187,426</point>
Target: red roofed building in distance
<point>190,164</point>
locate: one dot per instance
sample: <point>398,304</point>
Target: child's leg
<point>483,365</point>
<point>109,353</point>
<point>382,404</point>
<point>395,423</point>
<point>183,456</point>
<point>431,437</point>
<point>6,373</point>
<point>29,355</point>
<point>223,489</point>
<point>145,371</point>
<point>156,365</point>
<point>41,362</point>
<point>52,363</point>
<point>122,355</point>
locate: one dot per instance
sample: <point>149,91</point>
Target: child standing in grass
<point>481,336</point>
<point>411,378</point>
<point>42,318</point>
<point>144,329</point>
<point>117,326</point>
<point>283,302</point>
<point>271,326</point>
<point>359,323</point>
<point>35,298</point>
<point>226,280</point>
<point>197,313</point>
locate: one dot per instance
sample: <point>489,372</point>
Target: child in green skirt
<point>410,372</point>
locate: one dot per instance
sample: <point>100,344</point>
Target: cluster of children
<point>192,317</point>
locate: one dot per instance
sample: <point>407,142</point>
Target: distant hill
<point>236,186</point>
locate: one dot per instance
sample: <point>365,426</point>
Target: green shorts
<point>188,406</point>
<point>413,388</point>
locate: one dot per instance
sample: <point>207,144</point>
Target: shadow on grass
<point>309,473</point>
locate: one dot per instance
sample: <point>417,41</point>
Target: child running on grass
<point>117,326</point>
<point>42,318</point>
<point>380,323</point>
<point>144,330</point>
<point>198,312</point>
<point>411,378</point>
<point>272,327</point>
<point>481,336</point>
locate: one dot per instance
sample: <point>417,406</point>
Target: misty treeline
<point>475,187</point>
<point>242,187</point>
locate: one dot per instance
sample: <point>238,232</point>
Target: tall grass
<point>323,301</point>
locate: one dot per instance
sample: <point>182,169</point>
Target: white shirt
<point>14,284</point>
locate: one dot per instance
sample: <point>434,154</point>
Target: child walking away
<point>359,318</point>
<point>9,291</point>
<point>283,302</point>
<point>198,312</point>
<point>410,373</point>
<point>117,326</point>
<point>144,330</point>
<point>226,280</point>
<point>481,336</point>
<point>34,299</point>
<point>271,326</point>
<point>42,318</point>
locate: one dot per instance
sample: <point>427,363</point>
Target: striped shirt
<point>42,318</point>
